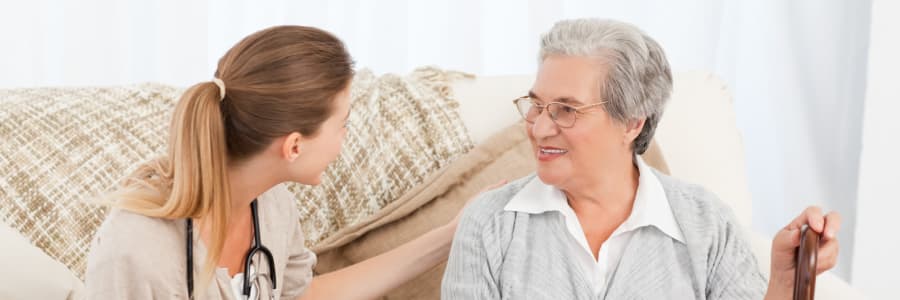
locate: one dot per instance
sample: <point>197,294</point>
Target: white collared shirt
<point>237,285</point>
<point>651,208</point>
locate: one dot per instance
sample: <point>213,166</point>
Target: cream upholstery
<point>28,273</point>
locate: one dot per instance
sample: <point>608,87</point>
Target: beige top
<point>138,257</point>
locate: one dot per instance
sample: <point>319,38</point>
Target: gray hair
<point>639,80</point>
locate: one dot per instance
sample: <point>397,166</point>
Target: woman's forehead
<point>571,100</point>
<point>569,79</point>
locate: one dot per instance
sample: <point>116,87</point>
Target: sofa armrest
<point>29,273</point>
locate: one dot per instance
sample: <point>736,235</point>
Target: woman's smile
<point>548,153</point>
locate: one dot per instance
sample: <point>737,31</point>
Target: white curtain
<point>875,260</point>
<point>796,68</point>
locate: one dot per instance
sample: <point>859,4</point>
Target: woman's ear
<point>633,129</point>
<point>290,148</point>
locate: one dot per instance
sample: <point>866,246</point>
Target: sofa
<point>478,142</point>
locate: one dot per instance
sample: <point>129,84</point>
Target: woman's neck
<point>246,181</point>
<point>609,192</point>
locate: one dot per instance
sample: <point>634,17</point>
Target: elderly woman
<point>595,221</point>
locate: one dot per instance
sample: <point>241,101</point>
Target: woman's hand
<point>389,270</point>
<point>786,241</point>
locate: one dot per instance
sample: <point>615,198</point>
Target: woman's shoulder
<point>124,233</point>
<point>489,205</point>
<point>136,243</point>
<point>697,208</point>
<point>279,202</point>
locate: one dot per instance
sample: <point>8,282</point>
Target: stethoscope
<point>255,249</point>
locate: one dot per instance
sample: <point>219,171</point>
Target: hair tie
<point>221,85</point>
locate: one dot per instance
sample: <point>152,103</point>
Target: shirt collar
<point>651,206</point>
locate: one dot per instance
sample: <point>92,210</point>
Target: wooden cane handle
<point>806,257</point>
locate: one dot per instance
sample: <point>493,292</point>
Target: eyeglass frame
<point>578,110</point>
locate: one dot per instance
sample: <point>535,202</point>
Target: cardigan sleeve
<point>298,272</point>
<point>734,272</point>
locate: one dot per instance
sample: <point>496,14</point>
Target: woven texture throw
<point>61,147</point>
<point>401,129</point>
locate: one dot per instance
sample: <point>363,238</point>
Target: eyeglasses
<point>563,115</point>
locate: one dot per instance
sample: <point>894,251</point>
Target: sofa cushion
<point>702,142</point>
<point>503,156</point>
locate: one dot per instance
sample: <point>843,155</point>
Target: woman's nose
<point>544,126</point>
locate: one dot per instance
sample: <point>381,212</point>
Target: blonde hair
<point>278,81</point>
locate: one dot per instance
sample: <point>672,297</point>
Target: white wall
<point>796,68</point>
<point>875,261</point>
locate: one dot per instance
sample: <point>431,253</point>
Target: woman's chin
<point>550,176</point>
